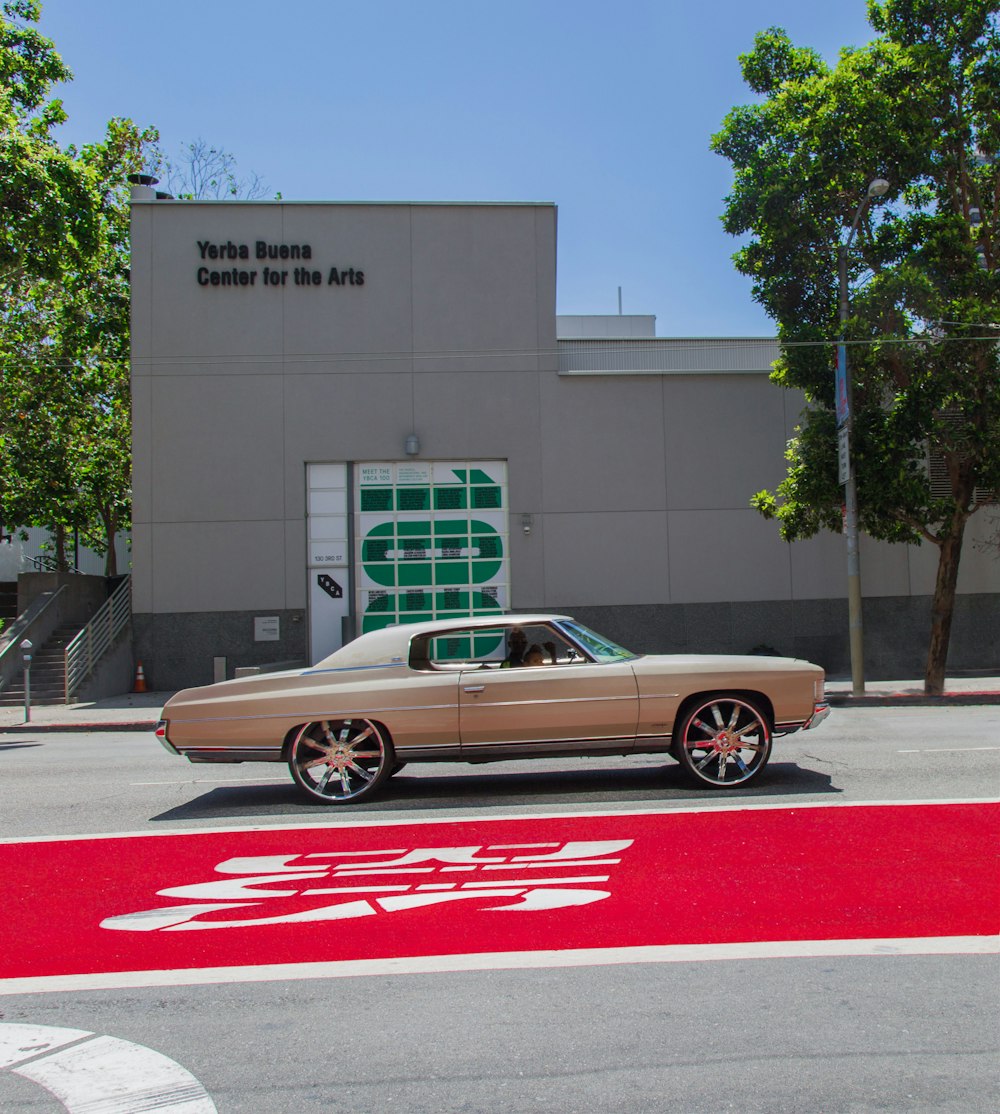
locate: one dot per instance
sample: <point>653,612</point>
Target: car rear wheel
<point>339,761</point>
<point>724,740</point>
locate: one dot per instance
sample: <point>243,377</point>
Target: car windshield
<point>599,647</point>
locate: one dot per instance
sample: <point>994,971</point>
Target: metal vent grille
<point>937,472</point>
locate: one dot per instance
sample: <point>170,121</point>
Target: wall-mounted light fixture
<point>527,523</point>
<point>412,445</point>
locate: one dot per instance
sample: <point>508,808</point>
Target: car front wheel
<point>724,740</point>
<point>335,762</point>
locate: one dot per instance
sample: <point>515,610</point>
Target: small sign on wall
<point>266,628</point>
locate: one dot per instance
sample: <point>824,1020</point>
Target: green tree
<point>64,323</point>
<point>920,107</point>
<point>48,199</point>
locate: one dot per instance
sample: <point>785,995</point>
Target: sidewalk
<point>140,711</point>
<point>132,711</point>
<point>883,694</point>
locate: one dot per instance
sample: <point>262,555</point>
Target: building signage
<point>266,628</point>
<point>227,264</point>
<point>843,456</point>
<point>843,397</point>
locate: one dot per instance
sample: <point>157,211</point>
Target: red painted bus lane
<point>188,901</point>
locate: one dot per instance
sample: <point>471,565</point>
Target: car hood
<point>724,663</point>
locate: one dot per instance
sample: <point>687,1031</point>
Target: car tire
<point>724,741</point>
<point>340,761</point>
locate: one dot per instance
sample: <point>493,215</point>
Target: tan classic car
<point>492,688</point>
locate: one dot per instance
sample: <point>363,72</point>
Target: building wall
<point>633,457</point>
<point>236,388</point>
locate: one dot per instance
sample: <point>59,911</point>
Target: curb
<point>915,700</point>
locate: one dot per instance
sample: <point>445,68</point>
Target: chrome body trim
<point>305,717</point>
<point>542,744</point>
<point>232,754</point>
<point>353,668</point>
<point>551,700</point>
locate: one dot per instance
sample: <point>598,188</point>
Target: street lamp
<point>845,418</point>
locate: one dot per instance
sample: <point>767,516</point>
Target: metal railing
<point>90,645</point>
<point>44,563</point>
<point>37,622</point>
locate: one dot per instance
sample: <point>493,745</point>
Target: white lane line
<point>396,821</point>
<point>500,961</point>
<point>214,781</point>
<point>99,1074</point>
<point>943,750</point>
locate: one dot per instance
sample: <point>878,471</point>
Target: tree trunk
<point>943,606</point>
<point>110,556</point>
<point>59,537</point>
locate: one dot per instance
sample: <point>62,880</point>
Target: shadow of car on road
<point>617,788</point>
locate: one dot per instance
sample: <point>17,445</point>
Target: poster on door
<point>328,565</point>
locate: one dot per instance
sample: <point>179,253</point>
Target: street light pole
<point>845,420</point>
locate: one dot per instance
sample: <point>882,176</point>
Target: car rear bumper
<point>820,712</point>
<point>161,734</point>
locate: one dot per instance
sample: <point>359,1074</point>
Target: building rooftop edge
<point>660,339</point>
<point>356,204</point>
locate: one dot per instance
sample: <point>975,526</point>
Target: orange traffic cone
<point>140,680</point>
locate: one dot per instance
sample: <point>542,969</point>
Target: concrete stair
<point>48,673</point>
<point>8,601</point>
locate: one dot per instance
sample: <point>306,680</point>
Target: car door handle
<point>474,688</point>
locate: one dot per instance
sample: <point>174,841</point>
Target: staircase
<point>8,601</point>
<point>48,673</point>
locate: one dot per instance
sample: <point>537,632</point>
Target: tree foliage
<point>65,408</point>
<point>920,107</point>
<point>64,322</point>
<point>48,205</point>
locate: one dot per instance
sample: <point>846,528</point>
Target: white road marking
<point>943,750</point>
<point>336,822</point>
<point>213,781</point>
<point>92,1074</point>
<point>501,961</point>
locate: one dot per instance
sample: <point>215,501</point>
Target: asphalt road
<point>827,1033</point>
<point>73,784</point>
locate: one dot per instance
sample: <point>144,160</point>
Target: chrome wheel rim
<point>726,742</point>
<point>339,760</point>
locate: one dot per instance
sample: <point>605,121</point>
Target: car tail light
<point>160,732</point>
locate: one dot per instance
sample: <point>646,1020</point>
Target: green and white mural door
<point>430,541</point>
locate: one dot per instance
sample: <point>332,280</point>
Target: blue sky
<point>606,109</point>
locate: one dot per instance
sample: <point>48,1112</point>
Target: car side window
<point>458,649</point>
<point>534,645</point>
<point>514,647</point>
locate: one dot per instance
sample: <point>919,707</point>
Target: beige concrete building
<point>348,415</point>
